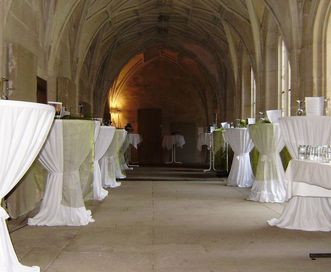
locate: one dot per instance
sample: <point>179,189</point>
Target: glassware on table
<point>302,152</point>
<point>313,154</point>
<point>321,153</point>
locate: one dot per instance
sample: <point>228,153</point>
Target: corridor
<point>173,220</point>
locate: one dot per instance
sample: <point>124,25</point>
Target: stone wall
<point>53,39</point>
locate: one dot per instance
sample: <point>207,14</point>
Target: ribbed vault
<point>126,28</point>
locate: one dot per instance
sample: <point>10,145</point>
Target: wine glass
<point>300,109</point>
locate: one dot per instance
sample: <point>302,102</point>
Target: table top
<point>134,139</point>
<point>204,138</point>
<point>239,140</point>
<point>170,140</point>
<point>24,104</point>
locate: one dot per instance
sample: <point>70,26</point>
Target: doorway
<point>149,127</point>
<point>41,90</point>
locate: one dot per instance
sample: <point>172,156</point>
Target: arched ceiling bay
<point>193,70</point>
<point>128,21</point>
<point>115,29</point>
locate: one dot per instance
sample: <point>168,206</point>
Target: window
<point>253,94</point>
<point>284,79</point>
<point>328,58</point>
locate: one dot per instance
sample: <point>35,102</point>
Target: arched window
<point>328,57</point>
<point>246,98</point>
<point>284,79</point>
<point>253,94</point>
<point>321,57</point>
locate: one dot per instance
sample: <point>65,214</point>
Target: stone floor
<point>178,224</point>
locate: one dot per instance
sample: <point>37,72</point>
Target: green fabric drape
<point>78,143</point>
<point>220,154</point>
<point>27,194</point>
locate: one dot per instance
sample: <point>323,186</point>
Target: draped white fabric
<point>122,152</point>
<point>109,163</point>
<point>308,188</point>
<point>134,139</point>
<point>23,130</point>
<point>269,183</point>
<point>68,144</point>
<point>119,157</point>
<point>102,143</point>
<point>204,139</point>
<point>305,213</point>
<point>313,177</point>
<point>170,140</point>
<point>305,130</point>
<point>241,173</point>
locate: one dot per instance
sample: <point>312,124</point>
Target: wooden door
<point>149,127</point>
<point>41,90</point>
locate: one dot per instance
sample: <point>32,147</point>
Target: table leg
<point>129,161</point>
<point>315,256</point>
<point>211,162</point>
<point>172,156</point>
<point>211,157</point>
<point>174,148</point>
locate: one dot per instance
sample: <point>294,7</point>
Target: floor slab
<point>171,225</point>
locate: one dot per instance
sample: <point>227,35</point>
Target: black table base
<point>315,256</point>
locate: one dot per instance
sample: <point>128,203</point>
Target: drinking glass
<point>302,150</point>
<point>300,109</point>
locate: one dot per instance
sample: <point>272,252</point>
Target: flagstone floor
<point>174,220</point>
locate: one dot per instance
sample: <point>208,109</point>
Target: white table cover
<point>269,183</point>
<point>102,143</point>
<point>110,163</point>
<point>119,151</point>
<point>67,146</point>
<point>173,140</point>
<point>204,139</point>
<point>309,197</point>
<point>241,173</point>
<point>305,130</point>
<point>134,139</point>
<point>23,130</point>
<point>131,139</point>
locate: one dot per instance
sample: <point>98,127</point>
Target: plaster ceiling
<point>196,28</point>
<point>123,22</point>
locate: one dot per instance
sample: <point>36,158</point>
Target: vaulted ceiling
<point>198,28</point>
<point>123,22</point>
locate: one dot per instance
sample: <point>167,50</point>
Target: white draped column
<point>241,173</point>
<point>109,163</point>
<point>23,130</point>
<point>308,182</point>
<point>269,183</point>
<point>103,141</point>
<point>67,146</point>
